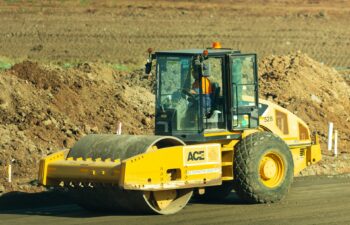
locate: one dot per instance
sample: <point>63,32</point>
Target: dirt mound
<point>316,93</point>
<point>44,109</point>
<point>346,74</point>
<point>39,77</point>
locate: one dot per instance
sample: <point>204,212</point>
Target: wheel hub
<point>271,170</point>
<point>268,169</point>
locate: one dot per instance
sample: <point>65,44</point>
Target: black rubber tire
<point>215,193</point>
<point>247,156</point>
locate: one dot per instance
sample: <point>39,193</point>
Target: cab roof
<point>211,51</point>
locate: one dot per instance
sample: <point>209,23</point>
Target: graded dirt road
<point>312,200</point>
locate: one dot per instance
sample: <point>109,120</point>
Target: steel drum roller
<point>104,197</point>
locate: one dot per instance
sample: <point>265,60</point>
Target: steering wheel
<point>192,98</point>
<point>186,92</point>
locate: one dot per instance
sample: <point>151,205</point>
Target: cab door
<point>243,86</point>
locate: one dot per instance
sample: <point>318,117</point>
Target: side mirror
<point>148,67</point>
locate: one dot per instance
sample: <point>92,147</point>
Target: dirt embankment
<point>46,108</point>
<point>315,92</point>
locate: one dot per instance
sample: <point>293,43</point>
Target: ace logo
<point>195,156</point>
<point>203,154</point>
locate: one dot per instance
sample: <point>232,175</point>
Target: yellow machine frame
<point>200,165</point>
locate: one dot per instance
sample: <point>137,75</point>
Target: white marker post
<point>119,130</point>
<point>330,137</point>
<point>335,143</point>
<point>9,173</point>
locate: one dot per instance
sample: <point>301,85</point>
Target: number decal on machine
<point>268,119</point>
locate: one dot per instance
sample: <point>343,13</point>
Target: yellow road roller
<point>212,135</point>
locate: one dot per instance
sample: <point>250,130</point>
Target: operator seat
<point>213,118</point>
<point>215,95</point>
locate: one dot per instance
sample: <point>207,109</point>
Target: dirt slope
<point>44,108</point>
<point>313,91</point>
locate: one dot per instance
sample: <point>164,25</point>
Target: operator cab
<point>205,94</point>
